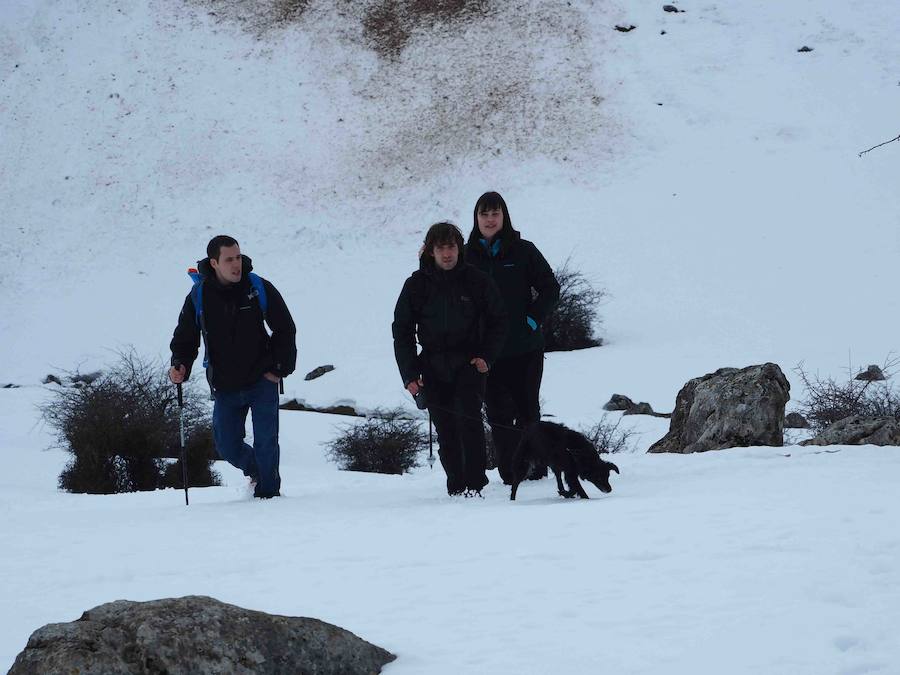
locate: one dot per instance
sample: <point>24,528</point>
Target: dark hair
<point>489,201</point>
<point>215,245</point>
<point>440,234</point>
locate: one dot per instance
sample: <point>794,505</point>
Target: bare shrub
<point>608,438</point>
<point>571,324</point>
<point>387,442</point>
<point>122,427</point>
<point>829,400</point>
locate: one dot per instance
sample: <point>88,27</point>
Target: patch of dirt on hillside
<point>509,84</point>
<point>388,24</point>
<point>407,92</point>
<point>255,16</point>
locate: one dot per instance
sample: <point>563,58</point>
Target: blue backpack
<point>258,291</point>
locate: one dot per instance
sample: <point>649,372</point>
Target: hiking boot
<point>455,487</point>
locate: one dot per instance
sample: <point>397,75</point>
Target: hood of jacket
<point>508,237</point>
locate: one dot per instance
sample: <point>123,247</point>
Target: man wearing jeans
<point>228,308</point>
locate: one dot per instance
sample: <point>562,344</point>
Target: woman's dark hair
<point>215,245</point>
<point>489,201</point>
<point>441,234</point>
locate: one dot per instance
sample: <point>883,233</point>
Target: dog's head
<point>590,467</point>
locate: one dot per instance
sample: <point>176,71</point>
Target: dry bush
<point>123,427</point>
<point>387,442</point>
<point>572,323</point>
<point>828,400</point>
<point>608,438</point>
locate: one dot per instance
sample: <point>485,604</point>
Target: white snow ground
<point>732,224</point>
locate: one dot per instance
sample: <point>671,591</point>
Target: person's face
<point>490,222</point>
<point>446,255</point>
<point>229,266</point>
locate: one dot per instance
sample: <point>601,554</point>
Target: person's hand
<point>480,364</point>
<point>414,386</point>
<point>272,377</point>
<point>176,375</point>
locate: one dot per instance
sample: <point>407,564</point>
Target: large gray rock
<point>859,430</point>
<point>196,635</point>
<point>728,408</point>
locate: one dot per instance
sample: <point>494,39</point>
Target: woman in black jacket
<point>530,292</point>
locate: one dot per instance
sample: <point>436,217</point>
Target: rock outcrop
<point>196,635</point>
<point>728,408</point>
<point>860,430</point>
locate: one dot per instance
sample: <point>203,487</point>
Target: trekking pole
<point>184,472</point>
<point>430,444</point>
<point>422,404</point>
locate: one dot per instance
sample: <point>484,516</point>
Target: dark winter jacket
<point>517,267</point>
<point>457,315</point>
<point>239,348</point>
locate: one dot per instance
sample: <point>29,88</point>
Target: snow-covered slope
<point>706,177</point>
<point>699,168</point>
<point>762,560</point>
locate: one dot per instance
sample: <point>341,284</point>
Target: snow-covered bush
<point>387,442</point>
<point>572,323</point>
<point>829,400</point>
<point>122,430</point>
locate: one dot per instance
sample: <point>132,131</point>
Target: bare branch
<point>879,145</point>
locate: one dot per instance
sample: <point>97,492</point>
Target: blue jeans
<point>229,425</point>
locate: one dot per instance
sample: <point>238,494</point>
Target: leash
<point>469,417</point>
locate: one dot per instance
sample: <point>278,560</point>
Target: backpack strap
<point>259,292</point>
<point>197,299</point>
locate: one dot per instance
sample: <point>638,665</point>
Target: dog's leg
<point>580,490</point>
<point>519,466</point>
<point>559,485</point>
<point>518,475</point>
<point>575,485</point>
<point>571,472</point>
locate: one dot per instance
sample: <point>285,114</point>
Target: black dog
<point>565,452</point>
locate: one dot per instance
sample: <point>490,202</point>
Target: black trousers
<point>455,409</point>
<point>512,400</point>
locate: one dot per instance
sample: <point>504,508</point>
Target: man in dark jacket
<point>530,292</point>
<point>457,314</point>
<point>245,363</point>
